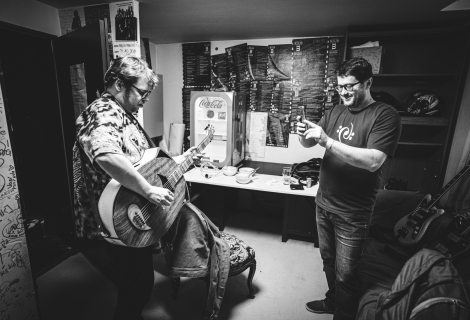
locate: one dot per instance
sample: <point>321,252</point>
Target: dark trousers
<point>341,241</point>
<point>133,274</point>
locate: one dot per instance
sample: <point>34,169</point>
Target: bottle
<point>302,113</point>
<point>309,182</point>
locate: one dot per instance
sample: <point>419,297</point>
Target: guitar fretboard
<point>446,188</point>
<point>178,173</point>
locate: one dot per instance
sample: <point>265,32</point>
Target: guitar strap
<point>137,124</point>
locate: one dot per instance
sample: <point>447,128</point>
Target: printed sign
<point>125,30</point>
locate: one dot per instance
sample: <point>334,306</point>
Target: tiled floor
<point>288,275</point>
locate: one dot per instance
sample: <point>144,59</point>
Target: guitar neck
<point>446,188</point>
<point>179,172</point>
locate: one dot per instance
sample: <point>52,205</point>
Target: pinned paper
<point>175,145</point>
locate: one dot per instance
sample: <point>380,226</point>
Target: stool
<point>242,257</point>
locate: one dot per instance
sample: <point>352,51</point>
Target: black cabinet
<point>414,59</point>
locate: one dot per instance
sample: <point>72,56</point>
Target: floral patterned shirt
<point>103,127</point>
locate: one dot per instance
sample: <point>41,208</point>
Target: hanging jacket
<point>194,249</point>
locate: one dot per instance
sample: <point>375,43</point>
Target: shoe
<point>319,306</point>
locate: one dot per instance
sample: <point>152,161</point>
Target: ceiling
<point>177,21</point>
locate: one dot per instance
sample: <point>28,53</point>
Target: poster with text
<point>125,30</point>
<point>256,128</point>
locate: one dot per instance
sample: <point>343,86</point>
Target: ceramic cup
<point>246,170</point>
<point>243,178</point>
<point>229,170</point>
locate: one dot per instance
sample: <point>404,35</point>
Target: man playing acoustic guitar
<point>109,141</point>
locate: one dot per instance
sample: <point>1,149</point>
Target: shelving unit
<point>434,59</point>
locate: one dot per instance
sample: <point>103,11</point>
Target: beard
<point>349,100</point>
<point>130,102</point>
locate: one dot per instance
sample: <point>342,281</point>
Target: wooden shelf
<point>420,59</point>
<point>425,121</point>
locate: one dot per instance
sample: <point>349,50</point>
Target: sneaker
<point>319,306</point>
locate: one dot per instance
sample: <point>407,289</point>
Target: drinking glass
<point>286,171</point>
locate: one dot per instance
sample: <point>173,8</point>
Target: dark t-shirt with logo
<point>346,189</point>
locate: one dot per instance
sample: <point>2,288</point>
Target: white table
<point>260,182</point>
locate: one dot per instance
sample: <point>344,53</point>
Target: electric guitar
<point>128,217</point>
<point>410,229</point>
<point>455,241</point>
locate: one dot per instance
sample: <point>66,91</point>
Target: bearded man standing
<point>358,137</point>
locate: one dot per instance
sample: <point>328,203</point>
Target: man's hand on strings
<point>159,196</point>
<point>181,158</point>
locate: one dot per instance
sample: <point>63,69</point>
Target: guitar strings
<point>172,180</point>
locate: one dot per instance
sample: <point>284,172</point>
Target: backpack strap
<point>137,124</point>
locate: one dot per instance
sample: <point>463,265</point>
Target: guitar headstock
<point>210,130</point>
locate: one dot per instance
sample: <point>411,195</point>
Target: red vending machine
<point>225,112</point>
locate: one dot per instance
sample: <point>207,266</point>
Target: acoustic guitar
<point>128,217</point>
<point>410,229</point>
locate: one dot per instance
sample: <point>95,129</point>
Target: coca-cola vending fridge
<point>226,112</point>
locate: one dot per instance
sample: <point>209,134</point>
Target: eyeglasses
<point>348,87</point>
<point>143,93</point>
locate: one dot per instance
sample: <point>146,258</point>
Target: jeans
<point>133,273</point>
<point>341,240</point>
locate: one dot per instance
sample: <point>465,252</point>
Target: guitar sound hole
<point>134,213</point>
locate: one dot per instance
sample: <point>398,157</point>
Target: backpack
<point>428,287</point>
<point>309,169</point>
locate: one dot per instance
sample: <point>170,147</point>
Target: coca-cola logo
<point>211,104</point>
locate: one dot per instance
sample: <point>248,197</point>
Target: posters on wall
<point>313,76</point>
<point>220,75</point>
<point>197,65</point>
<point>279,70</point>
<point>278,79</point>
<point>255,133</point>
<point>257,62</point>
<point>123,24</point>
<point>197,76</point>
<point>17,294</point>
<point>125,28</point>
<point>72,19</point>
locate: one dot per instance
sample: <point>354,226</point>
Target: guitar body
<point>128,217</point>
<point>411,228</point>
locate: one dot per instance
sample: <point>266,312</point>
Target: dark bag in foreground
<point>428,287</point>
